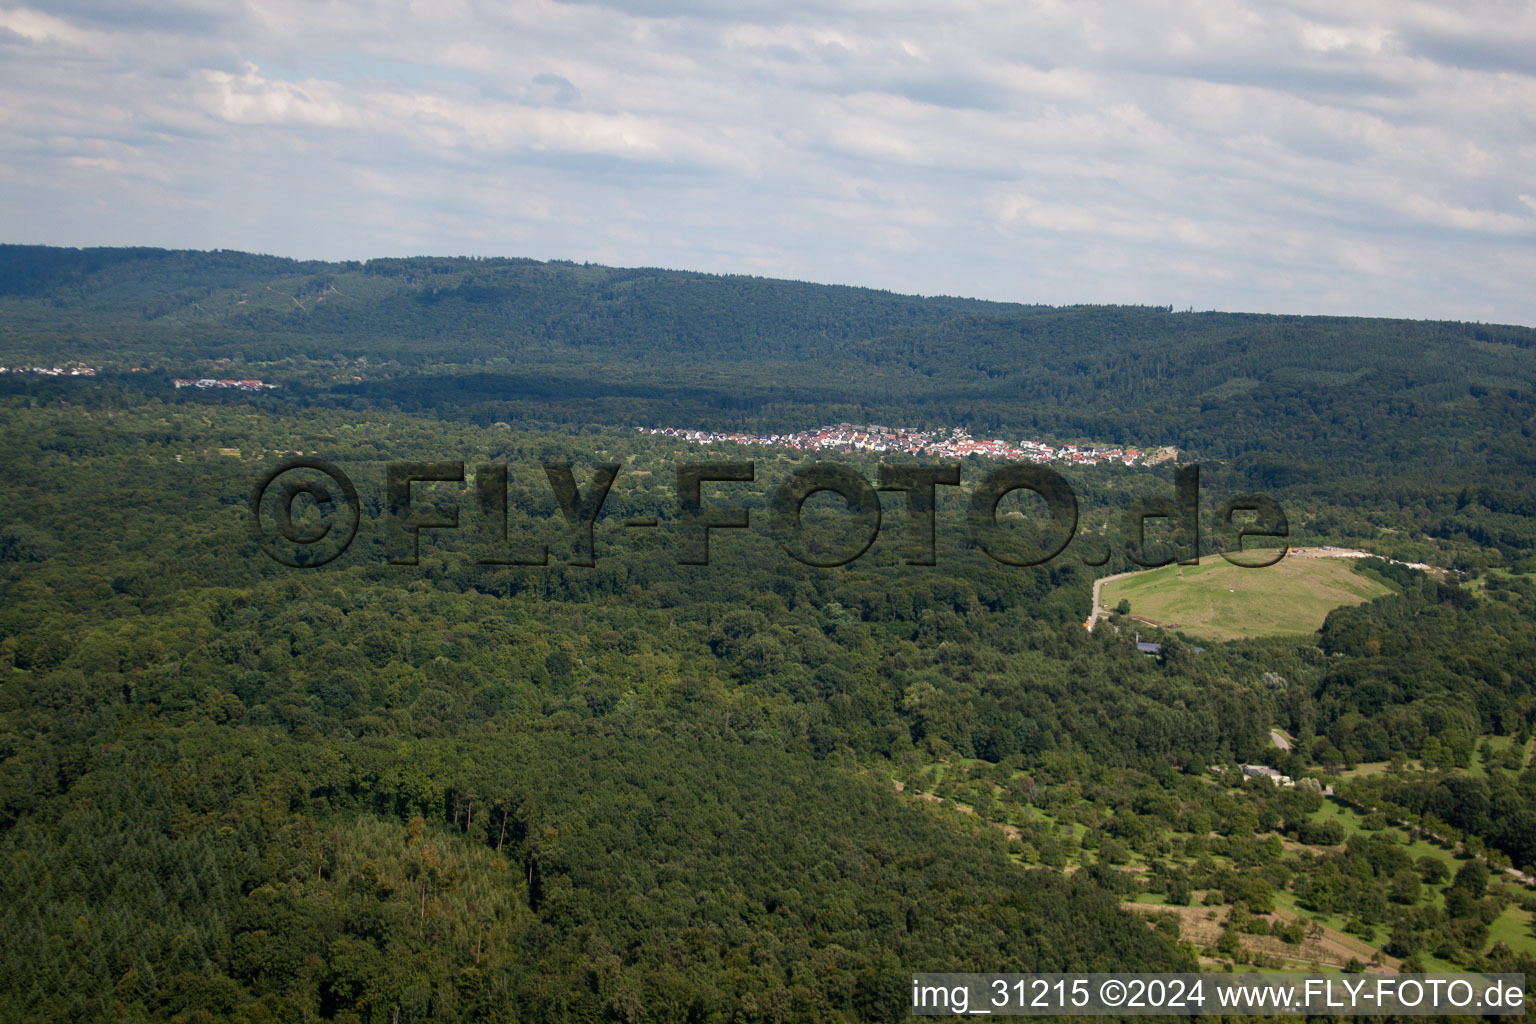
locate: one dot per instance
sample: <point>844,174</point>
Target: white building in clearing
<point>1264,771</point>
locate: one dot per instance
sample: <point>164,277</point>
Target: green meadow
<point>1216,600</point>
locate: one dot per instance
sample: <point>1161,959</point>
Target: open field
<point>1513,928</point>
<point>1216,600</point>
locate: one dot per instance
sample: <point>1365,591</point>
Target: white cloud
<point>1372,157</point>
<point>38,27</point>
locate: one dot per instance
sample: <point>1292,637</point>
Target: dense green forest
<point>1422,428</point>
<point>753,790</point>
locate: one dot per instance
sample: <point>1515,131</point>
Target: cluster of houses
<point>52,371</point>
<point>209,382</point>
<point>848,438</point>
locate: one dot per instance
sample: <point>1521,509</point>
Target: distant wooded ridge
<point>1282,400</point>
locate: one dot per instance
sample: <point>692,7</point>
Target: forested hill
<point>452,310</point>
<point>468,789</point>
<point>1285,400</point>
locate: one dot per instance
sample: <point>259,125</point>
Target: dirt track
<point>1098,585</point>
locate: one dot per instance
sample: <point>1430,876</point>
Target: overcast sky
<point>1313,156</point>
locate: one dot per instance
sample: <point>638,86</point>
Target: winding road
<point>1098,610</point>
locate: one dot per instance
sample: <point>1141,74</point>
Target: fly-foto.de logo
<point>306,513</point>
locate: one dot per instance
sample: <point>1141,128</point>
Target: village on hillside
<point>68,370</point>
<point>209,382</point>
<point>953,443</point>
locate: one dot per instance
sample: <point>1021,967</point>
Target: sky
<point>1287,156</point>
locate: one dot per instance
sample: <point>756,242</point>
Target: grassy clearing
<point>1347,816</point>
<point>1478,767</point>
<point>1216,600</point>
<point>1513,928</point>
<point>1499,747</point>
<point>1286,903</point>
<point>1352,822</point>
<point>1332,949</point>
<point>1366,768</point>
